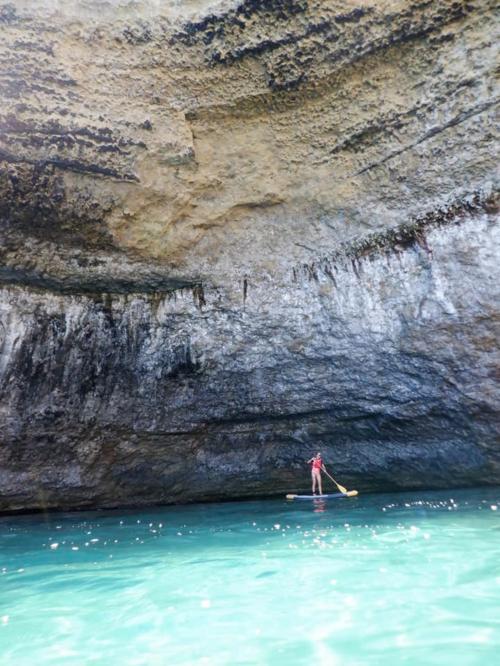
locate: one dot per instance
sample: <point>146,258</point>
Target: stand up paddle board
<point>351,493</point>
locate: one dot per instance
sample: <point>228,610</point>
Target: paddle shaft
<point>341,488</point>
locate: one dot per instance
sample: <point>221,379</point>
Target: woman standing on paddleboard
<point>316,469</point>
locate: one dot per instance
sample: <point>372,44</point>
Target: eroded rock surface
<point>236,232</point>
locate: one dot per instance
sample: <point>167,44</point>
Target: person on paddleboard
<point>316,468</point>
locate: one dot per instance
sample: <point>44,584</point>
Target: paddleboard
<point>316,497</point>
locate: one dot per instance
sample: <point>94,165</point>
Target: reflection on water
<point>401,578</point>
<point>319,505</point>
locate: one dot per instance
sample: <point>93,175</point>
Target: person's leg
<point>317,481</point>
<point>313,477</point>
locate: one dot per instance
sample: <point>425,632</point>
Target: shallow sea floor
<point>408,578</point>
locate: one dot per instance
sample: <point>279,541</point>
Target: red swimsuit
<point>317,463</point>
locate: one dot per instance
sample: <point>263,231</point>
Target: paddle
<point>344,491</point>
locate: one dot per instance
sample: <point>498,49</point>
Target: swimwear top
<point>317,463</point>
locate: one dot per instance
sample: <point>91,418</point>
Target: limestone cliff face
<point>233,233</point>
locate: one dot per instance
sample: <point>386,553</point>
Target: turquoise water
<point>408,578</point>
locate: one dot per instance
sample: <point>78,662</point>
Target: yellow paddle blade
<point>351,493</point>
<point>342,489</point>
<point>291,496</point>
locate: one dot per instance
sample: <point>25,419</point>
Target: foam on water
<point>400,578</point>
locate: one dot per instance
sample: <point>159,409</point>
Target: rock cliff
<point>234,233</point>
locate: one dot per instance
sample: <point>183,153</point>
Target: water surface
<point>409,578</point>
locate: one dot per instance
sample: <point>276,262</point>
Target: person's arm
<point>310,460</point>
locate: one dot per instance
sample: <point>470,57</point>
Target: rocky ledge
<point>234,233</point>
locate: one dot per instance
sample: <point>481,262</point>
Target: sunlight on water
<point>380,579</point>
